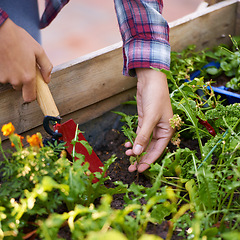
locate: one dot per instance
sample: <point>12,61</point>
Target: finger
<point>143,137</point>
<point>129,152</point>
<point>155,150</point>
<point>17,87</point>
<point>132,167</point>
<point>44,64</point>
<point>29,92</point>
<point>128,145</point>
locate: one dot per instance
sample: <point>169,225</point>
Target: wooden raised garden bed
<point>89,86</point>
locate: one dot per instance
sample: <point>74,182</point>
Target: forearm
<point>145,35</point>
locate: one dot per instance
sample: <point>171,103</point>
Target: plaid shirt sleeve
<point>145,35</point>
<point>3,16</point>
<point>53,7</point>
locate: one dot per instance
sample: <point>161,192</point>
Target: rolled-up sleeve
<point>3,16</point>
<point>145,35</point>
<point>52,8</point>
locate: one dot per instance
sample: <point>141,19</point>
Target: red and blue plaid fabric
<point>145,34</point>
<point>52,8</point>
<point>3,16</point>
<point>144,31</point>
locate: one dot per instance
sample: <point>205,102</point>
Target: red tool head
<point>66,132</point>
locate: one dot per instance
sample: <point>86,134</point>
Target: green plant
<point>229,60</point>
<point>37,181</point>
<point>204,183</point>
<point>213,185</point>
<point>196,190</point>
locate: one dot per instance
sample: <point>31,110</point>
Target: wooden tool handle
<point>44,97</point>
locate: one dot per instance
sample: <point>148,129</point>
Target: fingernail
<point>138,149</point>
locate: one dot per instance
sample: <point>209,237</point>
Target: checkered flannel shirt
<point>145,33</point>
<point>52,8</point>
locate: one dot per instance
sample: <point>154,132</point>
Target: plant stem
<point>212,150</point>
<point>75,139</point>
<point>4,156</point>
<point>186,109</point>
<point>228,206</point>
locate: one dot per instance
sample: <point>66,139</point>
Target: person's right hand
<point>19,56</point>
<point>154,112</point>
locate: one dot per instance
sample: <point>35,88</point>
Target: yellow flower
<point>35,140</point>
<point>8,129</point>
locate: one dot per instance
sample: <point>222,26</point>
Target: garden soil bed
<point>113,144</point>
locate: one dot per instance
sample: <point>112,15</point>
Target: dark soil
<point>118,171</point>
<point>220,81</point>
<point>113,144</point>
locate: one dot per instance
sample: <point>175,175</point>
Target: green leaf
<point>193,192</point>
<point>87,146</point>
<point>212,70</point>
<point>160,212</point>
<point>231,235</point>
<point>120,113</point>
<point>210,232</point>
<point>150,237</point>
<point>110,235</point>
<point>225,66</point>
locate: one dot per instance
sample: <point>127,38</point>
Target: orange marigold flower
<point>35,140</point>
<point>20,138</point>
<point>8,129</point>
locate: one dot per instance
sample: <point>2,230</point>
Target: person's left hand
<point>154,112</point>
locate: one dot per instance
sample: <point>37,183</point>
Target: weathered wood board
<point>87,87</point>
<point>206,28</point>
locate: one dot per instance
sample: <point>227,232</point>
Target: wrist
<point>148,75</point>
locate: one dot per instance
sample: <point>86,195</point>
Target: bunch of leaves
<point>86,222</point>
<point>190,101</point>
<point>193,98</point>
<point>83,221</point>
<point>229,59</point>
<point>166,199</point>
<point>27,167</point>
<point>39,182</point>
<point>185,62</point>
<point>129,130</point>
<point>216,168</point>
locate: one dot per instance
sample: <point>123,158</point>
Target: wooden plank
<point>85,114</point>
<point>93,111</point>
<point>205,28</point>
<point>75,85</point>
<point>90,81</point>
<point>211,2</point>
<point>237,20</point>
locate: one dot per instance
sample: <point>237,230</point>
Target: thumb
<point>44,64</point>
<point>143,137</point>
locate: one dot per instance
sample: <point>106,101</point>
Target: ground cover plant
<point>194,190</point>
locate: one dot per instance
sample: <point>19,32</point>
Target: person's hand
<point>154,112</point>
<point>19,56</point>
